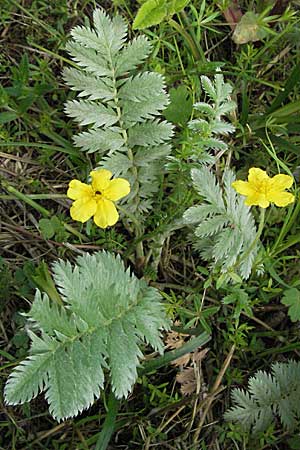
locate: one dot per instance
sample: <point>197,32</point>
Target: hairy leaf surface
<point>106,315</point>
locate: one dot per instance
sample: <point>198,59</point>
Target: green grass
<point>37,161</point>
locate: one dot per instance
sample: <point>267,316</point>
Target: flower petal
<point>78,190</point>
<point>281,198</point>
<point>106,214</point>
<point>117,188</point>
<point>100,179</point>
<point>280,182</point>
<point>243,187</point>
<point>257,198</point>
<point>83,209</point>
<point>257,176</point>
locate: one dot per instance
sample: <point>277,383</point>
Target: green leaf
<point>42,279</point>
<point>150,133</point>
<point>196,214</point>
<point>152,12</point>
<point>240,299</point>
<point>142,87</point>
<point>46,228</point>
<point>226,227</point>
<point>89,59</point>
<point>93,87</point>
<point>132,55</point>
<point>178,5</point>
<point>86,113</point>
<point>134,112</point>
<point>294,443</point>
<point>211,225</point>
<point>8,116</point>
<point>180,107</point>
<point>106,313</point>
<point>27,379</point>
<point>268,396</point>
<point>112,32</point>
<point>99,140</point>
<point>290,84</point>
<point>209,87</point>
<point>291,299</point>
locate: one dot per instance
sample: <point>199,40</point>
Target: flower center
<point>98,193</point>
<point>262,187</point>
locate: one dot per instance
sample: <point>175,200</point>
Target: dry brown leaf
<point>183,360</point>
<point>187,380</point>
<point>174,340</point>
<point>199,354</point>
<point>189,375</point>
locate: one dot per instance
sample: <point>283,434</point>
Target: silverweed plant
<point>209,126</point>
<point>104,316</point>
<point>269,395</point>
<point>225,228</point>
<point>121,105</point>
<point>91,327</point>
<point>226,234</point>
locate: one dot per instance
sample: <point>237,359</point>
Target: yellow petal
<point>280,182</point>
<point>83,209</point>
<point>281,198</point>
<point>100,179</point>
<point>257,198</point>
<point>243,187</point>
<point>257,176</point>
<point>106,214</point>
<point>78,190</point>
<point>117,188</point>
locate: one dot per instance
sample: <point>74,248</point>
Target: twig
<point>213,393</point>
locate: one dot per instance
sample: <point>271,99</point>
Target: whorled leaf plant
<point>105,316</point>
<point>120,104</point>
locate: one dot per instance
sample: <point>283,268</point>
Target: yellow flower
<point>260,189</point>
<point>97,199</point>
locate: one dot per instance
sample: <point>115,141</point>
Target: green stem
<point>29,201</point>
<point>25,199</point>
<point>35,196</point>
<point>194,37</point>
<point>136,197</point>
<point>109,423</point>
<point>188,38</point>
<point>288,223</point>
<point>290,243</point>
